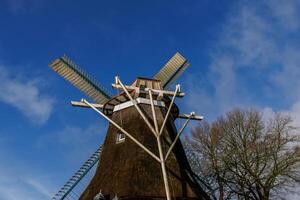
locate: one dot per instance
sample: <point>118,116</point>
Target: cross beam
<point>100,106</point>
<point>146,90</point>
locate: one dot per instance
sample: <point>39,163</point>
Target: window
<point>142,87</point>
<point>120,137</point>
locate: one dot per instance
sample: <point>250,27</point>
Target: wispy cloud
<point>76,141</point>
<point>23,6</point>
<point>25,95</point>
<point>16,184</point>
<point>39,187</point>
<point>287,12</point>
<point>295,113</point>
<point>255,61</point>
<point>72,135</point>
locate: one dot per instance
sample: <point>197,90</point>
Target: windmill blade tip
<point>53,63</point>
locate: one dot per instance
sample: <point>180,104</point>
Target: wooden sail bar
<point>83,105</point>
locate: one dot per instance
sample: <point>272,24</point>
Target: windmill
<point>142,156</point>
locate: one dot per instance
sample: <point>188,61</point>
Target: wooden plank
<point>192,117</point>
<point>83,105</point>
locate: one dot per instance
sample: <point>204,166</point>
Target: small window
<point>120,137</point>
<point>142,87</point>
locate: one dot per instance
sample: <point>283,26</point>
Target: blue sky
<point>242,54</point>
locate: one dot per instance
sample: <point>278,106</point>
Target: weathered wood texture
<point>129,172</point>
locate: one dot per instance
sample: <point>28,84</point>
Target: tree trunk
<point>266,195</point>
<point>221,188</point>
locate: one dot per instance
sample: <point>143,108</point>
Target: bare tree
<point>242,155</point>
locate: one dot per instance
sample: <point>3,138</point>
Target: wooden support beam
<point>191,116</point>
<point>83,105</point>
<point>146,90</point>
<point>169,110</point>
<point>177,137</point>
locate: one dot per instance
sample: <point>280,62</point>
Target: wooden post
<point>161,155</point>
<point>163,168</point>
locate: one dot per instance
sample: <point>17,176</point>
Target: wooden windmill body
<point>142,156</point>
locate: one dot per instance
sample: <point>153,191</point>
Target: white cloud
<point>246,38</point>
<point>256,43</point>
<point>26,96</point>
<point>267,114</point>
<point>286,12</point>
<point>295,114</point>
<point>257,51</point>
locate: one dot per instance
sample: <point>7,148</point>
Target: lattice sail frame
<point>66,68</point>
<point>67,191</point>
<point>172,70</point>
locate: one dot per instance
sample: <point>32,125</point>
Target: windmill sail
<point>172,70</point>
<point>80,79</point>
<point>68,190</point>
